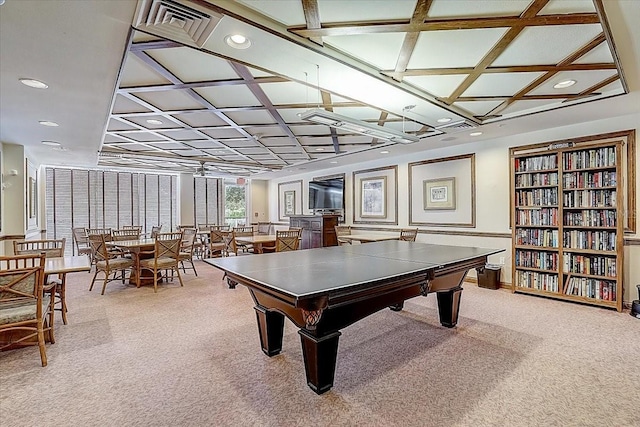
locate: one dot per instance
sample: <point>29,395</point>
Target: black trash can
<point>489,276</point>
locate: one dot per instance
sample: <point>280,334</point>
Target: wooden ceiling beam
<point>196,85</point>
<point>358,28</point>
<point>503,69</point>
<point>420,14</point>
<point>496,51</point>
<point>312,18</point>
<point>595,42</point>
<point>262,97</point>
<point>326,100</point>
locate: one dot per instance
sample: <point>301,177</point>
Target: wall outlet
<point>501,260</point>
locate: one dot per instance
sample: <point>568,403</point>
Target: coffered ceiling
<point>187,100</point>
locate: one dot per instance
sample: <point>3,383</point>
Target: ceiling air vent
<point>458,126</point>
<point>175,21</point>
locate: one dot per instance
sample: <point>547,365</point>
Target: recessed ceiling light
<point>333,162</point>
<point>154,122</point>
<point>475,134</point>
<point>237,41</point>
<point>444,120</point>
<point>48,123</point>
<point>448,138</point>
<point>34,83</point>
<point>319,149</point>
<point>384,152</point>
<point>60,148</point>
<point>51,143</point>
<point>564,84</point>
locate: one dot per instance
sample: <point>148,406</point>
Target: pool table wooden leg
<point>271,328</point>
<point>449,306</point>
<point>320,354</point>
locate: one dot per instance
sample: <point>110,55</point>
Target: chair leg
<point>155,281</point>
<point>63,301</point>
<point>106,279</point>
<point>194,267</point>
<point>94,279</point>
<point>43,350</point>
<point>179,276</point>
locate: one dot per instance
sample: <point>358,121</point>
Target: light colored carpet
<point>191,356</point>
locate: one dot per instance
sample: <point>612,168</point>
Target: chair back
<point>287,240</point>
<point>408,234</point>
<point>243,231</point>
<point>230,245</point>
<point>343,230</point>
<point>106,232</point>
<point>21,279</point>
<point>188,239</point>
<point>99,248</point>
<point>126,234</point>
<point>168,245</point>
<point>80,237</point>
<point>264,228</point>
<point>132,227</point>
<point>155,230</point>
<point>50,248</point>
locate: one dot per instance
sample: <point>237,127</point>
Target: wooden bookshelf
<point>567,227</point>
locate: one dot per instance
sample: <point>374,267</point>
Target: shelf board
<point>589,276</point>
<point>528,187</point>
<point>535,226</point>
<point>588,188</point>
<point>582,208</point>
<point>589,251</point>
<point>534,207</point>
<point>559,295</point>
<point>538,248</point>
<point>600,168</point>
<point>537,171</point>
<point>589,227</point>
<point>539,270</point>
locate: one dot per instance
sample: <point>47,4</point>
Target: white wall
<point>492,190</point>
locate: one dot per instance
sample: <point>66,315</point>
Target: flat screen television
<point>327,194</point>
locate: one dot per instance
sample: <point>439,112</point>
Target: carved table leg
<point>320,355</point>
<point>448,306</point>
<point>271,327</point>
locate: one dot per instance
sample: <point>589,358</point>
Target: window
<point>235,204</point>
<point>97,199</point>
<point>207,203</point>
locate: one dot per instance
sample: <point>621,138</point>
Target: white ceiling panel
<point>181,135</point>
<point>228,96</point>
<point>168,100</point>
<point>508,83</point>
<point>290,93</point>
<point>374,10</point>
<point>287,12</point>
<point>460,48</point>
<point>124,105</point>
<point>600,54</point>
<point>251,117</point>
<point>137,73</point>
<point>379,50</point>
<point>584,80</point>
<point>568,6</point>
<point>484,8</point>
<point>439,86</point>
<point>478,108</point>
<point>200,119</point>
<point>203,67</point>
<point>222,133</point>
<point>547,45</point>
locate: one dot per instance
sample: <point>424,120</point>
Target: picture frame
<point>289,203</point>
<point>373,202</point>
<point>439,194</point>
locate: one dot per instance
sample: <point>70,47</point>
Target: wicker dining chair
<point>343,230</point>
<point>81,241</point>
<point>189,248</point>
<point>166,256</point>
<point>107,263</point>
<point>288,240</point>
<point>408,234</point>
<point>264,228</point>
<point>244,231</point>
<point>50,248</point>
<point>25,307</point>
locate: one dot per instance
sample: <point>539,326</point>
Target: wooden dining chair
<point>408,234</point>
<point>264,228</point>
<point>230,246</point>
<point>244,231</point>
<point>132,227</point>
<point>126,234</point>
<point>342,230</point>
<point>107,263</point>
<point>25,308</point>
<point>287,240</point>
<point>217,244</point>
<point>155,229</point>
<point>189,248</point>
<point>166,256</point>
<point>50,248</point>
<point>81,241</point>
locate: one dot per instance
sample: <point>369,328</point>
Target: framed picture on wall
<point>289,203</point>
<point>439,194</point>
<point>373,203</point>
